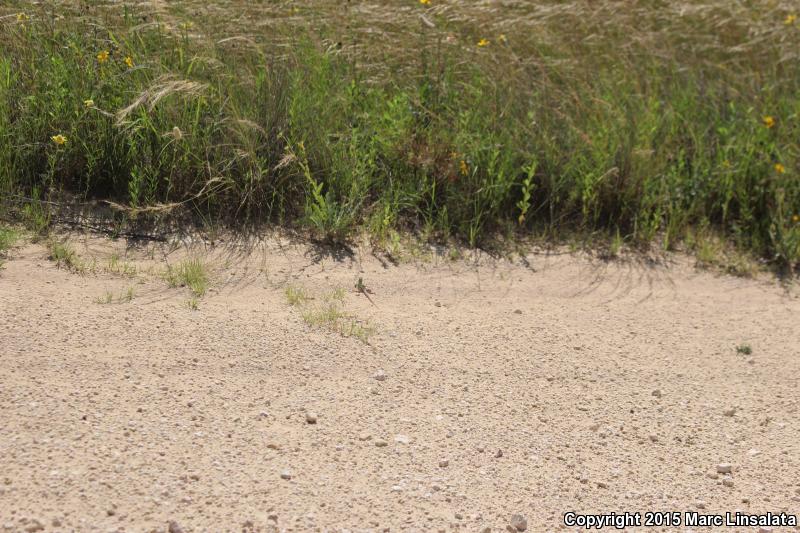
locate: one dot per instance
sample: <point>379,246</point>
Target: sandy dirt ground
<point>464,393</point>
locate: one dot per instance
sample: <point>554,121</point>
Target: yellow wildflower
<point>102,57</point>
<point>769,121</point>
<point>129,61</point>
<point>464,168</point>
<point>88,103</point>
<point>502,38</point>
<point>790,19</point>
<point>424,2</point>
<point>780,169</point>
<point>795,218</point>
<point>22,17</point>
<point>59,139</point>
<point>483,42</point>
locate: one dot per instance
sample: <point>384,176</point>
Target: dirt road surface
<point>463,393</point>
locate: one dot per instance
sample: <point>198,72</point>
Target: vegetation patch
<point>744,349</point>
<point>329,313</point>
<point>8,238</point>
<point>191,273</point>
<point>463,120</point>
<point>117,266</point>
<point>65,256</point>
<point>296,295</point>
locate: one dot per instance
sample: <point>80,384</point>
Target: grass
<point>329,313</point>
<point>712,252</point>
<point>332,317</point>
<point>124,297</point>
<point>191,273</point>
<point>8,238</point>
<point>643,123</point>
<point>116,266</point>
<point>65,256</point>
<point>296,296</point>
<point>744,349</point>
<point>107,298</point>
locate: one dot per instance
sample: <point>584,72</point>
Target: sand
<point>466,391</point>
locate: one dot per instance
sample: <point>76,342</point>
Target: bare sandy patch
<point>484,389</point>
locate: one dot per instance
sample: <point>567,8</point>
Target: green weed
<point>128,295</point>
<point>8,238</point>
<point>296,295</point>
<point>331,316</point>
<point>107,298</point>
<point>191,273</point>
<point>65,256</point>
<point>616,244</point>
<point>744,349</point>
<point>123,297</point>
<point>116,266</point>
<point>329,313</point>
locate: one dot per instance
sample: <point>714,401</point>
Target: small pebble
<point>657,393</point>
<point>35,525</point>
<point>174,527</point>
<point>380,443</point>
<point>380,375</point>
<point>729,412</point>
<point>727,482</point>
<point>286,474</point>
<point>724,468</point>
<point>499,453</point>
<point>519,522</point>
<point>311,417</point>
<point>443,463</point>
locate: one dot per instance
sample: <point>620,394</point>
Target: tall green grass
<point>639,119</point>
